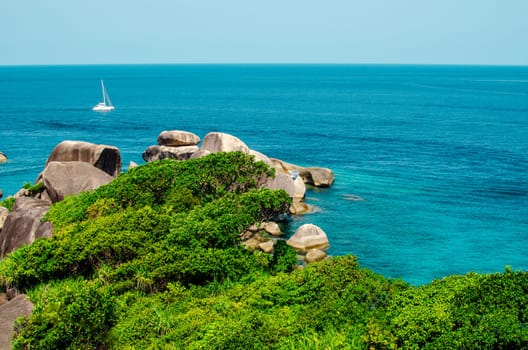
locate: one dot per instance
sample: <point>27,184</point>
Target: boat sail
<point>106,105</point>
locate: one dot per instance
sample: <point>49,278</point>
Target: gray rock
<point>271,227</point>
<point>300,208</point>
<point>266,247</point>
<point>281,181</point>
<point>106,158</point>
<point>316,176</point>
<point>23,225</point>
<point>251,243</point>
<point>307,237</point>
<point>9,312</point>
<point>177,138</point>
<point>314,255</point>
<point>221,142</point>
<point>260,157</point>
<point>319,177</point>
<point>299,189</point>
<point>62,179</point>
<point>3,216</point>
<point>156,152</point>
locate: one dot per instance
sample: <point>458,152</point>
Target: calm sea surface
<point>431,162</point>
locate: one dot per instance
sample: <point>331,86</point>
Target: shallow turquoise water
<point>437,154</point>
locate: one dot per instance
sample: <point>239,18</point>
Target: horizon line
<point>263,64</point>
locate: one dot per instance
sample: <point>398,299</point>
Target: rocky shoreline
<point>76,166</point>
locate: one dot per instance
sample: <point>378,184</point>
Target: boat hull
<point>103,108</point>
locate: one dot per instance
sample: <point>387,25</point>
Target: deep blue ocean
<point>431,162</point>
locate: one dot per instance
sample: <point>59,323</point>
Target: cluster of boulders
<point>182,145</point>
<point>75,166</point>
<point>309,241</point>
<point>72,167</point>
<point>174,144</point>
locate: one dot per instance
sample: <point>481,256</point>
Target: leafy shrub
<point>284,258</point>
<point>71,314</point>
<point>470,312</point>
<point>34,189</point>
<point>8,203</point>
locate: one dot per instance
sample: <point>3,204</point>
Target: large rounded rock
<point>300,208</point>
<point>156,152</point>
<point>62,179</point>
<point>176,138</point>
<point>299,189</point>
<point>314,255</point>
<point>106,158</point>
<point>18,307</point>
<point>3,157</point>
<point>315,176</point>
<point>271,227</point>
<point>260,157</point>
<point>281,181</point>
<point>319,177</point>
<point>220,142</point>
<point>307,237</point>
<point>23,225</point>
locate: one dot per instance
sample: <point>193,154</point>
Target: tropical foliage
<point>153,260</point>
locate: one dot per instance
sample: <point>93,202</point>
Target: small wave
<point>352,197</point>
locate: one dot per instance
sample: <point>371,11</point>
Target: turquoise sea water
<point>437,155</point>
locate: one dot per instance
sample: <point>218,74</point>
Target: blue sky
<point>271,31</point>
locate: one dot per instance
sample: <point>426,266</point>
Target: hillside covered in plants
<point>153,260</point>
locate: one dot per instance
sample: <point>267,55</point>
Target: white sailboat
<point>106,105</point>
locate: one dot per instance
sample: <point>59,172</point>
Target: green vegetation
<point>8,203</point>
<point>153,261</point>
<point>34,189</point>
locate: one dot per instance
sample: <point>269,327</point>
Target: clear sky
<point>270,31</point>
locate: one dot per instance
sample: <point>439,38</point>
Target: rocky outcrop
<point>1,193</point>
<point>18,307</point>
<point>106,158</point>
<point>62,179</point>
<point>315,176</point>
<point>299,189</point>
<point>271,227</point>
<point>220,142</point>
<point>314,255</point>
<point>288,177</point>
<point>259,157</point>
<point>266,247</point>
<point>267,227</point>
<point>23,225</point>
<point>3,157</point>
<point>318,177</point>
<point>281,181</point>
<point>307,237</point>
<point>176,138</point>
<point>157,152</point>
<point>300,208</point>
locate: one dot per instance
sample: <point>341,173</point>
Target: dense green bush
<point>463,312</point>
<point>153,261</point>
<point>8,203</point>
<point>69,314</point>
